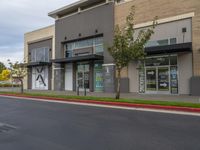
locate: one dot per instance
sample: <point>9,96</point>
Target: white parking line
<point>107,106</point>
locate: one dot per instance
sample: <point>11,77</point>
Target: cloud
<point>19,17</point>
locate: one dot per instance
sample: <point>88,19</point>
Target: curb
<point>121,104</point>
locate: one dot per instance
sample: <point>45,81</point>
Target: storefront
<point>159,75</point>
<point>89,76</point>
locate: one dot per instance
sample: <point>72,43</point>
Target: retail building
<point>73,53</point>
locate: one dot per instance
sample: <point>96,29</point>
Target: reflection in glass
<point>163,79</point>
<point>151,79</point>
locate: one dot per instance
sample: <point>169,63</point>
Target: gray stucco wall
<point>195,86</point>
<point>86,23</point>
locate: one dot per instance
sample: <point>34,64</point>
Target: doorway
<point>83,76</point>
<point>158,80</point>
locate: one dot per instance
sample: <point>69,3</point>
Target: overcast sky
<point>20,16</point>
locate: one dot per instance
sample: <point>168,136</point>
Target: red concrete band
<point>121,104</point>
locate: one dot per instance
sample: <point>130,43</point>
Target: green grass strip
<point>108,99</point>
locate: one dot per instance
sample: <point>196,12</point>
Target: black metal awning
<point>176,48</point>
<point>78,59</point>
<point>35,64</point>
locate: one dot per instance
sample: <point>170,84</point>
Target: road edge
<point>119,104</point>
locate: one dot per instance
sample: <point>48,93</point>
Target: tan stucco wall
<point>146,10</point>
<point>35,36</point>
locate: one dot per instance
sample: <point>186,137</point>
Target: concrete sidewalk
<point>178,98</point>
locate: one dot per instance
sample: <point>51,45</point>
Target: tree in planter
<point>126,47</point>
<point>18,71</point>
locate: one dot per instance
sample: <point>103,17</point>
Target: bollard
<point>77,90</point>
<point>85,92</point>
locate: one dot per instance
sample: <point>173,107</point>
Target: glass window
<point>162,42</point>
<point>151,44</point>
<point>98,40</point>
<point>173,60</point>
<point>173,41</point>
<point>33,55</point>
<point>46,54</point>
<point>40,55</point>
<point>159,61</point>
<point>96,43</point>
<point>99,49</point>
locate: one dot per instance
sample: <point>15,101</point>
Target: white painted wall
<point>172,30</point>
<point>133,77</point>
<point>69,77</point>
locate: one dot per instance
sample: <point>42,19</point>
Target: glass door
<point>157,80</point>
<point>83,76</point>
<point>151,79</point>
<point>163,79</point>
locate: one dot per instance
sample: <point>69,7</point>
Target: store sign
<point>174,80</point>
<point>40,78</point>
<point>142,81</point>
<point>98,76</point>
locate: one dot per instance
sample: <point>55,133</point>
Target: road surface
<point>34,125</point>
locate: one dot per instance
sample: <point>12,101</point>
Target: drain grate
<point>6,127</point>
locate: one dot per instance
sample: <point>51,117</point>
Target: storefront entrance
<point>83,72</point>
<point>157,80</point>
<point>159,75</point>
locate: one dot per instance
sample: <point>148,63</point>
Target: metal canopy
<point>34,64</point>
<point>78,59</point>
<point>176,48</point>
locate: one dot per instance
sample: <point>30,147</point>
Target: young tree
<point>18,71</point>
<point>126,47</point>
<point>2,67</point>
<point>5,75</point>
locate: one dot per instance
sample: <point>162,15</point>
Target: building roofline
<point>72,6</point>
<point>40,29</point>
<point>51,14</point>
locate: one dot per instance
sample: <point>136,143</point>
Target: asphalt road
<point>54,126</point>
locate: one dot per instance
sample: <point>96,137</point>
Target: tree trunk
<point>22,86</point>
<point>118,83</point>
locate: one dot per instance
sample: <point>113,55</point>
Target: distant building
<point>73,52</point>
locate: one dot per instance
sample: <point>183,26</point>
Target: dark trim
<point>34,64</point>
<point>78,59</point>
<point>50,77</point>
<point>83,38</point>
<point>176,48</point>
<point>91,76</point>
